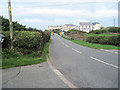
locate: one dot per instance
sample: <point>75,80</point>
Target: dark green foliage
<point>57,31</point>
<point>99,31</point>
<point>73,31</point>
<point>112,40</point>
<point>16,25</point>
<point>107,30</point>
<point>13,59</point>
<point>6,53</point>
<point>26,40</point>
<point>5,24</point>
<point>114,29</point>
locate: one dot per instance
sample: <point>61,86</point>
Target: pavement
<point>33,76</point>
<point>70,66</point>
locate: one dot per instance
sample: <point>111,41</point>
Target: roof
<point>69,25</point>
<point>86,23</point>
<point>54,26</point>
<point>94,23</point>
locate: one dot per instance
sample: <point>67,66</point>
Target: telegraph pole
<point>10,20</point>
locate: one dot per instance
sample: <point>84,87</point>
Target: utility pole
<point>10,20</point>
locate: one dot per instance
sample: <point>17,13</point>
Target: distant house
<point>50,28</point>
<point>85,26</point>
<point>96,26</point>
<point>89,26</point>
<point>67,27</point>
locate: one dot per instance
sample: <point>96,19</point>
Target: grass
<point>89,35</point>
<point>92,45</point>
<point>18,60</point>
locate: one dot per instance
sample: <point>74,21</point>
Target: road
<point>84,67</point>
<point>69,66</point>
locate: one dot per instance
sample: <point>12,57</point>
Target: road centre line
<point>64,44</point>
<point>110,51</point>
<point>76,51</point>
<point>104,62</point>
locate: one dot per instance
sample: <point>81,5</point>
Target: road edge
<point>60,75</point>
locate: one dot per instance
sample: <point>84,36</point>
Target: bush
<point>109,29</point>
<point>6,53</point>
<point>112,40</point>
<point>99,31</point>
<point>27,42</point>
<point>114,29</point>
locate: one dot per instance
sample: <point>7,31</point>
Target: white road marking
<point>64,43</point>
<point>110,51</point>
<point>67,45</point>
<point>105,62</point>
<point>60,75</point>
<point>76,51</point>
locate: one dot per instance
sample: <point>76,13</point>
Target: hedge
<point>27,42</point>
<point>109,29</point>
<point>112,40</point>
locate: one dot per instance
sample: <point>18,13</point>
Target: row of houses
<point>83,26</point>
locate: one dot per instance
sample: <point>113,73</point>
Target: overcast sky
<point>43,13</point>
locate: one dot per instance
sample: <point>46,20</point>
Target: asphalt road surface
<point>33,76</point>
<point>85,67</point>
<point>69,66</point>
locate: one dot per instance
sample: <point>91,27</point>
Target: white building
<point>54,27</point>
<point>89,26</point>
<point>85,26</point>
<point>68,27</point>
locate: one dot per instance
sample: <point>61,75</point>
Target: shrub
<point>27,42</point>
<point>6,53</point>
<point>112,40</point>
<point>99,31</point>
<point>114,29</point>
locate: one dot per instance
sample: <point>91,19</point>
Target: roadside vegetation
<point>57,31</point>
<point>30,45</point>
<point>93,45</point>
<point>108,38</point>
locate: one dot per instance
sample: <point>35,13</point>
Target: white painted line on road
<point>76,51</point>
<point>64,44</point>
<point>60,75</point>
<point>105,62</point>
<point>110,51</point>
<point>67,45</point>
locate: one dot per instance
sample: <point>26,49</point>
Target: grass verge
<point>92,45</point>
<point>18,60</point>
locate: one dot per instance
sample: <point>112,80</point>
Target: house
<point>67,27</point>
<point>50,28</point>
<point>96,26</point>
<point>85,26</point>
<point>89,26</point>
